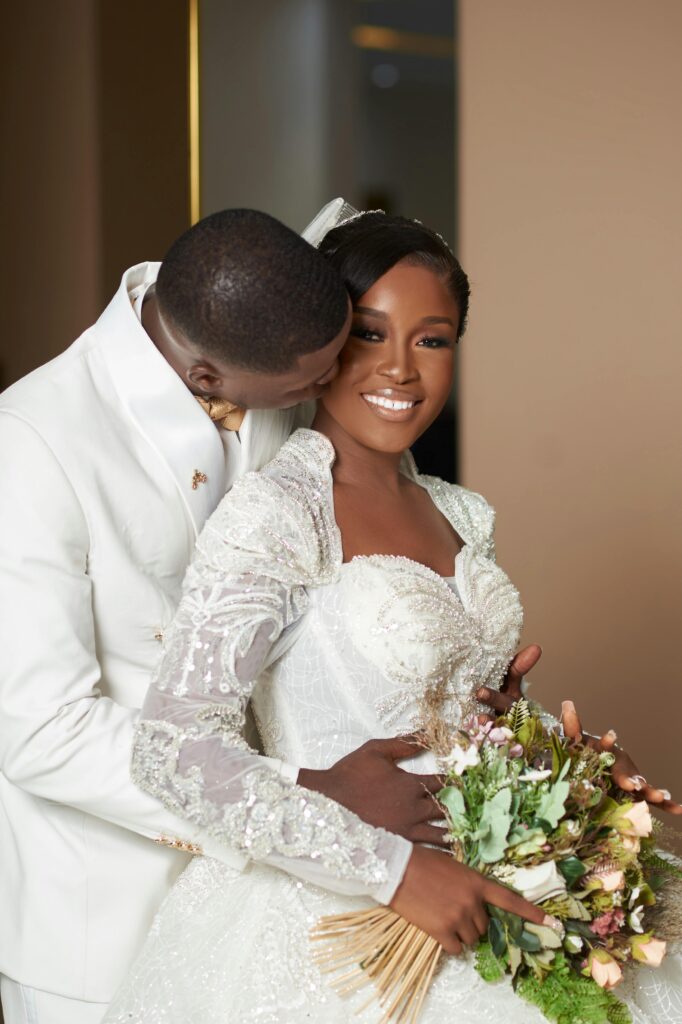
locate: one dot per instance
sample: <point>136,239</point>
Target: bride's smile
<point>396,368</point>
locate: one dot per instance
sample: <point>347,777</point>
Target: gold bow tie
<point>225,414</point>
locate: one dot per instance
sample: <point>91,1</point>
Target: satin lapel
<point>160,405</point>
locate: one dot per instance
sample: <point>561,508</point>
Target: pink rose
<point>648,950</point>
<point>611,880</point>
<point>609,922</point>
<point>604,969</point>
<point>607,879</point>
<point>637,820</point>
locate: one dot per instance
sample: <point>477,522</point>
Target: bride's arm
<point>189,751</point>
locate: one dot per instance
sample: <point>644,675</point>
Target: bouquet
<point>540,814</point>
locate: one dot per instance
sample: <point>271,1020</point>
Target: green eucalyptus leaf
<point>496,818</point>
<point>547,936</point>
<point>453,801</point>
<point>579,928</point>
<point>497,937</point>
<point>551,807</point>
<point>572,868</point>
<point>529,942</point>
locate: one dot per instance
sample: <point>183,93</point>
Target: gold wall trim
<point>376,37</point>
<point>193,113</point>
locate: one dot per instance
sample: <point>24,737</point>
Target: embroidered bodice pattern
<point>373,637</point>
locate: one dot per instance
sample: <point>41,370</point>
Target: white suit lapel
<point>160,405</point>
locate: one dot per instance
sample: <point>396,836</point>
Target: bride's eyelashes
<point>432,342</point>
<point>364,334</point>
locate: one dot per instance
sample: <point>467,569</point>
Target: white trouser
<point>23,1005</point>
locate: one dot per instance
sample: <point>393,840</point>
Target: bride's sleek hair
<point>367,246</point>
<point>244,288</point>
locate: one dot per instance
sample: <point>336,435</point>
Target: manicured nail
<point>552,922</point>
<point>666,794</point>
<point>567,706</point>
<point>484,692</point>
<point>638,782</point>
<point>612,735</point>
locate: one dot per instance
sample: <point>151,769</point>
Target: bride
<point>343,596</point>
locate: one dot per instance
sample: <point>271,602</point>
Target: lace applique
<point>275,818</point>
<point>469,513</point>
<point>270,538</point>
<point>272,818</point>
<point>435,646</point>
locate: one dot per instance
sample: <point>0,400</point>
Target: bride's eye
<point>435,342</point>
<point>365,334</point>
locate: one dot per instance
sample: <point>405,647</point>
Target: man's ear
<point>203,377</point>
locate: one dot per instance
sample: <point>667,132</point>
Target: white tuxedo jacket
<point>98,518</point>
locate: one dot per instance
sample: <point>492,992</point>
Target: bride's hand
<point>369,782</point>
<point>625,772</point>
<point>510,690</point>
<point>448,900</point>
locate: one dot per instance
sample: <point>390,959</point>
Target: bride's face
<point>396,367</point>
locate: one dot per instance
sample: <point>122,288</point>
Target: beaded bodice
<point>331,654</point>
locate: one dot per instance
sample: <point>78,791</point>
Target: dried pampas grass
<point>378,947</point>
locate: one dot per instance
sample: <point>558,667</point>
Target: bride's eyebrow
<point>437,320</point>
<point>371,312</point>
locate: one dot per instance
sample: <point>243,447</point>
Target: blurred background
<point>540,138</point>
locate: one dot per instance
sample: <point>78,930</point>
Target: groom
<point>112,456</point>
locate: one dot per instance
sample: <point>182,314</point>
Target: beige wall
<point>93,172</point>
<point>48,180</point>
<point>571,206</point>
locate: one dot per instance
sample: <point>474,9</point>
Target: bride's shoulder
<point>282,513</point>
<point>304,460</point>
<point>470,514</point>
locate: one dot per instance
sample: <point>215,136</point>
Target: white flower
<point>540,882</point>
<point>461,758</point>
<point>573,943</point>
<point>535,775</point>
<point>635,920</point>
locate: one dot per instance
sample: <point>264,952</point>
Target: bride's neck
<point>355,464</point>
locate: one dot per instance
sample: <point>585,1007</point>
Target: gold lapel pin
<point>198,478</point>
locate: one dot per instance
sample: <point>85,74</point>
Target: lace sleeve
<point>189,750</point>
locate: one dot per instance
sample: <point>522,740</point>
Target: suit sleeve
<point>61,739</point>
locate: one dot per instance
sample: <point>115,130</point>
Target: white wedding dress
<point>330,654</point>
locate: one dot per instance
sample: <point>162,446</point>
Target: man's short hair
<point>244,288</point>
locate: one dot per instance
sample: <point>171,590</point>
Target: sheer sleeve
<point>270,538</point>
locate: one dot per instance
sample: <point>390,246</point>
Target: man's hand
<point>510,691</point>
<point>448,900</point>
<point>625,772</point>
<point>369,782</point>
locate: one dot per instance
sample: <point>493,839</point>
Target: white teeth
<point>387,403</point>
